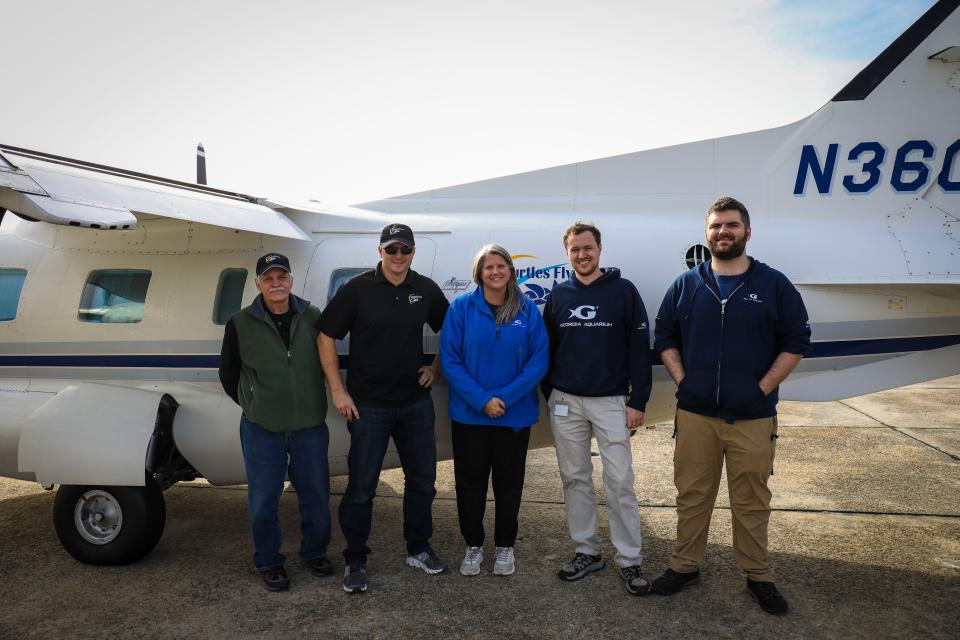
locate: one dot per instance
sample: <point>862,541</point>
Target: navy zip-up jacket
<point>599,340</point>
<point>727,348</point>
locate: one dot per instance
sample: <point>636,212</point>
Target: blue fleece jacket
<point>726,348</point>
<point>599,340</point>
<point>483,360</point>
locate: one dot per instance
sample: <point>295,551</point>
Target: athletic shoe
<point>771,600</point>
<point>471,561</point>
<point>275,578</point>
<point>672,581</point>
<point>634,580</point>
<point>581,565</point>
<point>505,564</point>
<point>428,561</point>
<point>355,577</point>
<point>321,567</point>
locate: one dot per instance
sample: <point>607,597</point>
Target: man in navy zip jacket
<point>598,384</point>
<point>728,332</point>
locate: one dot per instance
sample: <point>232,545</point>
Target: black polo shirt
<point>385,323</point>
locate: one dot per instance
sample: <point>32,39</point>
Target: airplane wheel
<point>109,525</point>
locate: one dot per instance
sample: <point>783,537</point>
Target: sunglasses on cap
<point>391,250</point>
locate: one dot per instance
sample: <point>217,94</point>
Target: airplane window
<point>114,296</point>
<point>229,294</point>
<point>340,277</point>
<point>697,255</point>
<point>11,283</point>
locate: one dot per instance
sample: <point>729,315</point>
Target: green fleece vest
<point>280,390</point>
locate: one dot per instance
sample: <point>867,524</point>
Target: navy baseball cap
<point>393,233</point>
<point>272,260</point>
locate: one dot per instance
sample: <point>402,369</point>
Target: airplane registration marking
<point>909,174</point>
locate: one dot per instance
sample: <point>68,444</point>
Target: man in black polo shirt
<point>387,395</point>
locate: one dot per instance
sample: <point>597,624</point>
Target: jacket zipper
<point>723,313</point>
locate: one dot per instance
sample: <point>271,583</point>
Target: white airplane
<point>114,286</point>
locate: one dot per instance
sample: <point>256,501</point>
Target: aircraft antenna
<point>201,165</point>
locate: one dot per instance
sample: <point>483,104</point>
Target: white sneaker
<point>471,561</point>
<point>505,564</point>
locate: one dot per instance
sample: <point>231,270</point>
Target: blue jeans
<point>411,427</point>
<point>268,458</point>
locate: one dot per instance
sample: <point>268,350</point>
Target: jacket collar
<point>477,300</point>
<point>259,310</point>
<point>705,272</point>
<point>610,273</point>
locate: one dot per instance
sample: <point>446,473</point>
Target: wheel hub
<point>98,517</point>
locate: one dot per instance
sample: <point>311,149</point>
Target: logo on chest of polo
<point>413,298</point>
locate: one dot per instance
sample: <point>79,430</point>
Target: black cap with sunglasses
<point>397,233</point>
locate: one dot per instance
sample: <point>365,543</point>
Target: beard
<point>588,269</point>
<point>735,250</point>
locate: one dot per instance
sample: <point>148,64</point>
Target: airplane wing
<point>63,191</point>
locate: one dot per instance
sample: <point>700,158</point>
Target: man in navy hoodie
<point>598,384</point>
<point>728,332</point>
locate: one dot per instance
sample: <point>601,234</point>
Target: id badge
<point>561,410</point>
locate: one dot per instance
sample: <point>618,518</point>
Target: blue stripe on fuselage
<point>212,361</point>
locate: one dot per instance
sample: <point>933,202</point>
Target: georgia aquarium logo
<point>539,291</point>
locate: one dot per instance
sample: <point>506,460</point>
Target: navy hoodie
<point>599,340</point>
<point>727,348</point>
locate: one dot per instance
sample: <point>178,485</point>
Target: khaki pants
<point>748,446</point>
<point>606,419</point>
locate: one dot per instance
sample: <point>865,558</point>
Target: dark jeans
<point>268,458</point>
<point>478,450</point>
<point>411,427</point>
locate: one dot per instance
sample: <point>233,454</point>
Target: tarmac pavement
<point>865,535</point>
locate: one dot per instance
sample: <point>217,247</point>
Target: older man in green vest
<point>269,365</point>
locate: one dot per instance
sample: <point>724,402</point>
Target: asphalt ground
<point>865,534</point>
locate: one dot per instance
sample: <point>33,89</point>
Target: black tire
<point>135,517</point>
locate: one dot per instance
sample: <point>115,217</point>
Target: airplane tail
<point>880,69</point>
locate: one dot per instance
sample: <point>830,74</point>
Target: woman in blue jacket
<point>494,352</point>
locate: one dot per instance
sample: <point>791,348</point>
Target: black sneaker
<point>634,580</point>
<point>321,567</point>
<point>581,565</point>
<point>771,600</point>
<point>275,578</point>
<point>355,577</point>
<point>428,561</point>
<point>672,581</point>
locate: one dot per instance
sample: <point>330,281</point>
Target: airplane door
<point>335,260</point>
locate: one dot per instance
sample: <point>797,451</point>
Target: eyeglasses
<point>391,250</point>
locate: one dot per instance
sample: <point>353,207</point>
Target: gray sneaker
<point>505,564</point>
<point>471,561</point>
<point>355,578</point>
<point>634,580</point>
<point>581,565</point>
<point>428,561</point>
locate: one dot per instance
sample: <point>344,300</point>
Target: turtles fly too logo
<point>528,277</point>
